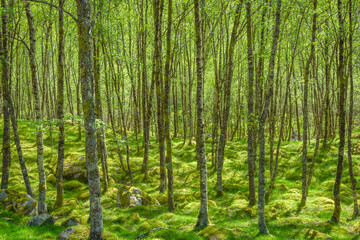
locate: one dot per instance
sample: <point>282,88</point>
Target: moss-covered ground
<point>230,216</point>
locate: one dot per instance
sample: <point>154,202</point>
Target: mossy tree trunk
<point>167,112</point>
<point>60,111</point>
<point>342,114</point>
<point>42,208</point>
<point>4,83</point>
<point>87,76</point>
<point>203,218</point>
<point>7,92</point>
<point>305,107</point>
<point>261,191</point>
<point>351,112</point>
<point>251,121</point>
<point>227,96</point>
<point>158,6</point>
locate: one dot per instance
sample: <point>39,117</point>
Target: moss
<point>310,234</point>
<point>150,224</point>
<point>111,193</point>
<point>64,211</point>
<point>73,185</point>
<point>293,174</point>
<point>231,187</point>
<point>83,195</point>
<point>214,232</point>
<point>134,218</point>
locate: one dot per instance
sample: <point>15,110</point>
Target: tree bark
<point>203,217</point>
<point>87,76</point>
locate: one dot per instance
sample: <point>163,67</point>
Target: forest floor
<point>230,216</point>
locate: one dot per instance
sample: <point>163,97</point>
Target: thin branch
<point>54,6</point>
<point>19,39</point>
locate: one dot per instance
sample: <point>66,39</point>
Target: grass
<point>229,214</point>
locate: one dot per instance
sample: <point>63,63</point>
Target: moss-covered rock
<point>20,203</point>
<point>51,179</point>
<point>150,224</point>
<point>309,234</point>
<point>73,185</point>
<point>41,220</point>
<point>70,222</point>
<point>154,171</point>
<point>81,232</point>
<point>74,168</point>
<point>130,197</point>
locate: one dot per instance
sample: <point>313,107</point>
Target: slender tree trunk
<point>158,10</point>
<point>305,108</point>
<point>342,115</point>
<point>60,112</point>
<point>167,112</point>
<point>5,89</point>
<point>351,110</point>
<point>226,112</point>
<point>203,218</point>
<point>42,208</point>
<point>251,120</point>
<point>87,75</point>
<point>261,191</point>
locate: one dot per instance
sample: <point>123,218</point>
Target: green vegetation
<point>230,216</point>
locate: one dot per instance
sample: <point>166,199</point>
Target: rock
<point>64,235</point>
<point>20,203</point>
<point>310,234</point>
<point>154,171</point>
<point>74,168</point>
<point>70,222</point>
<point>130,197</point>
<point>42,219</point>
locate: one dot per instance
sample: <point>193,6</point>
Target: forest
<point>180,119</point>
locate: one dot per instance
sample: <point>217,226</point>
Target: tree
<point>261,191</point>
<point>203,218</point>
<point>42,208</point>
<point>60,111</point>
<point>251,119</point>
<point>342,114</point>
<point>167,112</point>
<point>85,26</point>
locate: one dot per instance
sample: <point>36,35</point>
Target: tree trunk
<point>60,112</point>
<point>42,208</point>
<point>203,218</point>
<point>342,112</point>
<point>87,76</point>
<point>251,120</point>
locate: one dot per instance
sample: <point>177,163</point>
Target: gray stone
<point>20,203</point>
<point>3,194</point>
<point>130,197</point>
<point>42,219</point>
<point>64,235</point>
<point>70,222</point>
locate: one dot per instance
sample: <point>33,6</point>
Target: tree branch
<point>54,6</point>
<point>19,39</point>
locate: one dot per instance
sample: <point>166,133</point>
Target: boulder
<point>64,235</point>
<point>130,197</point>
<point>70,222</point>
<point>74,168</point>
<point>41,219</point>
<point>20,203</point>
<point>310,234</point>
<point>154,171</point>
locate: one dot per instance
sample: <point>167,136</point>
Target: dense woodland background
<point>181,119</point>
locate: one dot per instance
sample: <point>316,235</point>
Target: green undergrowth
<point>230,216</point>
